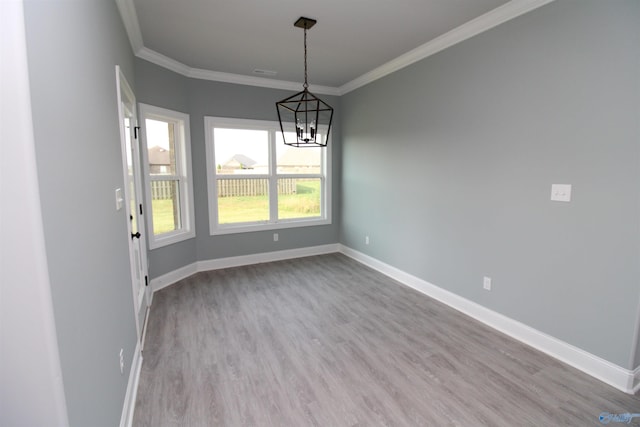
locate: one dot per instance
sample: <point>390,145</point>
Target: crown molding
<point>472,28</point>
<point>198,73</point>
<point>163,61</point>
<point>217,76</point>
<point>130,20</point>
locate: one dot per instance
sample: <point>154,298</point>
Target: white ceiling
<point>354,41</point>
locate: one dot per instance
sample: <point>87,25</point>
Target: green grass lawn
<point>304,203</point>
<point>163,219</point>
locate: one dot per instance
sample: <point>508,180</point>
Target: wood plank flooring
<point>326,341</point>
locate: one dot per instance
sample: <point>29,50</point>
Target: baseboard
<point>635,386</point>
<point>126,419</point>
<point>238,261</point>
<point>620,378</point>
<point>172,277</point>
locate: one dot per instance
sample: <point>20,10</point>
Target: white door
<point>130,145</point>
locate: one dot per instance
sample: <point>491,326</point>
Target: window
<point>167,172</point>
<point>258,183</point>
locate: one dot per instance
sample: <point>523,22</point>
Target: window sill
<point>267,226</point>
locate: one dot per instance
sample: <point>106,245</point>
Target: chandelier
<point>305,119</point>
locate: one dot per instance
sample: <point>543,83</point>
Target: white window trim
<point>212,191</point>
<point>183,157</point>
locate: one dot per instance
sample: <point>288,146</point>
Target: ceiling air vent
<point>266,73</point>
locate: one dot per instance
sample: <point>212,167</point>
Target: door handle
<point>137,235</point>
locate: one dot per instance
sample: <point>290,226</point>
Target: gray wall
<point>31,390</point>
<point>448,164</point>
<point>73,47</point>
<point>165,89</point>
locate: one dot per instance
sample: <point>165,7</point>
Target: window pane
<point>165,202</point>
<point>241,151</point>
<point>292,160</point>
<point>298,197</point>
<point>243,200</point>
<point>161,147</point>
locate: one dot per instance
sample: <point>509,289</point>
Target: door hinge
<point>146,280</point>
<point>140,208</point>
<point>136,129</point>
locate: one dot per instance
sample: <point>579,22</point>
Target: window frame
<point>184,175</point>
<point>273,223</point>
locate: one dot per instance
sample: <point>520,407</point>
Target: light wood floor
<point>325,341</point>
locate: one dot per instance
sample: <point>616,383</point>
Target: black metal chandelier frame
<point>310,115</point>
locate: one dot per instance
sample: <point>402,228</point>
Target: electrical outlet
<point>366,240</point>
<point>121,362</point>
<point>561,192</point>
<point>486,283</point>
<point>275,237</point>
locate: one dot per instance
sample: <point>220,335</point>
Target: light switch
<point>119,199</point>
<point>561,192</point>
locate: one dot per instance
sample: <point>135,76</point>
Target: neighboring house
<point>238,161</point>
<point>159,160</point>
<point>295,160</point>
<point>241,164</point>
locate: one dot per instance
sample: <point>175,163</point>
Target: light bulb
<point>299,129</point>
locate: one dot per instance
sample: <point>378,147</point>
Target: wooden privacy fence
<point>162,190</point>
<point>253,187</point>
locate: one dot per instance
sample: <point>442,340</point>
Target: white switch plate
<point>366,240</point>
<point>561,192</point>
<point>486,283</point>
<point>119,199</point>
<point>275,237</point>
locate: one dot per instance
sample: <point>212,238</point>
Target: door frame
<point>141,300</point>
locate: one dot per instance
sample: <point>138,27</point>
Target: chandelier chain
<point>306,85</point>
